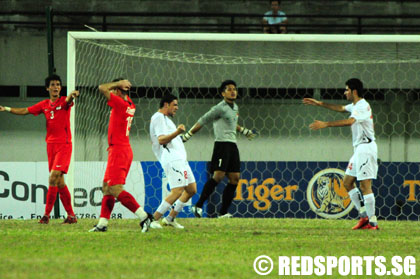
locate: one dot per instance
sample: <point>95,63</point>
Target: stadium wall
<point>22,138</point>
<point>232,6</point>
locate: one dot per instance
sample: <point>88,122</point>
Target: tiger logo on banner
<point>327,196</point>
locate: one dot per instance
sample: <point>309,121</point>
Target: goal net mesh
<point>289,170</point>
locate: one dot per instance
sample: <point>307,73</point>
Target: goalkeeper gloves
<point>250,134</point>
<point>186,136</point>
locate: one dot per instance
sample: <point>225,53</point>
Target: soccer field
<point>207,248</point>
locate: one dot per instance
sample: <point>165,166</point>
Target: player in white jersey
<point>363,164</point>
<point>169,149</point>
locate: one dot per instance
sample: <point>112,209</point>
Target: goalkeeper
<point>225,159</point>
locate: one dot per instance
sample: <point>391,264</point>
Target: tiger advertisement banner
<point>265,190</point>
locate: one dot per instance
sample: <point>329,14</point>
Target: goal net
<point>289,170</point>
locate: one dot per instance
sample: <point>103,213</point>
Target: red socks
<point>51,196</point>
<point>66,200</point>
<point>64,197</point>
<point>128,201</point>
<point>108,202</point>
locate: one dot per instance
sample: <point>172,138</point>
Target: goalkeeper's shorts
<point>225,157</point>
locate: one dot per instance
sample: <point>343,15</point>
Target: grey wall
<point>24,61</point>
<point>238,6</point>
<point>298,7</point>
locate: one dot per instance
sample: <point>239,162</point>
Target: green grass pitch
<point>207,248</point>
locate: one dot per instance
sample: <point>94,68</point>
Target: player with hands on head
<point>225,160</point>
<point>169,149</point>
<point>120,155</point>
<point>56,110</point>
<point>363,165</point>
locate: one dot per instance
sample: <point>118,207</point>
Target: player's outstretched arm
<point>197,126</point>
<point>165,139</point>
<point>250,134</point>
<point>316,125</point>
<point>107,87</point>
<point>214,113</point>
<point>314,102</point>
<point>73,95</point>
<point>17,111</point>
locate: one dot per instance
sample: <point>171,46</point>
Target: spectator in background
<point>275,20</point>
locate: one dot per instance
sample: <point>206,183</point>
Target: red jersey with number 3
<point>58,119</point>
<point>120,120</point>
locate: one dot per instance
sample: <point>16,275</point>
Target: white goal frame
<point>73,36</point>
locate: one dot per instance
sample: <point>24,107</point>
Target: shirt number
<point>52,115</point>
<point>129,121</point>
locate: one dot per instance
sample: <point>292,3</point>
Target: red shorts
<point>119,163</point>
<point>59,156</point>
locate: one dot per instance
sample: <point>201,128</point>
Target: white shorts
<point>179,174</point>
<point>364,163</point>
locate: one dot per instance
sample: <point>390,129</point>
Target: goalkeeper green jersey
<point>224,118</point>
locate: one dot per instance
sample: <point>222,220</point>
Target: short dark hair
<point>167,98</point>
<point>355,84</point>
<point>271,1</point>
<point>226,83</point>
<point>50,78</point>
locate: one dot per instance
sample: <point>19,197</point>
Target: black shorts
<point>225,157</point>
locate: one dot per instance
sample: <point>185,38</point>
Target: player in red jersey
<point>120,155</point>
<point>57,113</point>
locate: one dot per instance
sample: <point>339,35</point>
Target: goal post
<point>289,171</point>
<point>71,85</point>
<point>162,36</point>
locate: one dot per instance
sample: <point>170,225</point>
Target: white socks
<point>163,207</point>
<point>356,198</point>
<point>370,207</point>
<point>179,206</point>
<point>369,204</point>
<point>103,222</point>
<point>141,213</point>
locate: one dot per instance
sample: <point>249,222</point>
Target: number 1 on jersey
<point>220,162</point>
<point>129,121</point>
